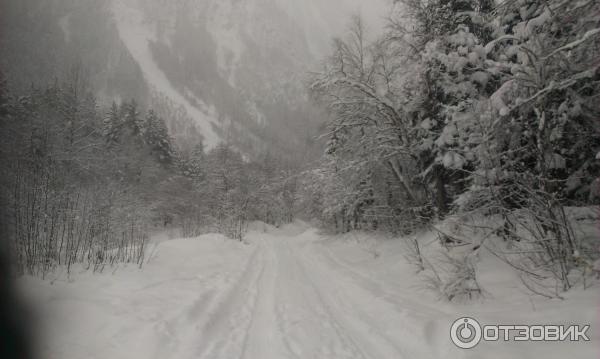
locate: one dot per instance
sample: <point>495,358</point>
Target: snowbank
<point>131,313</point>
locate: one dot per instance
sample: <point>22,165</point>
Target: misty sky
<point>323,19</point>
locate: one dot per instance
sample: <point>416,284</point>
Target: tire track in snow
<point>168,341</point>
<point>375,286</point>
<point>368,311</point>
<point>263,339</point>
<point>228,333</point>
<point>195,330</point>
<point>367,338</point>
<point>315,327</point>
<point>419,316</point>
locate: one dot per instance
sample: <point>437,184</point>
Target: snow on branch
<point>561,85</point>
<point>575,43</point>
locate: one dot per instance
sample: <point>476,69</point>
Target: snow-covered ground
<point>288,293</point>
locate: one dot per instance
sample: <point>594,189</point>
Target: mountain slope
<point>216,70</point>
<point>136,35</point>
<point>45,41</point>
<point>228,63</point>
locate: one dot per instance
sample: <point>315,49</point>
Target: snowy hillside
<point>136,34</point>
<point>253,50</point>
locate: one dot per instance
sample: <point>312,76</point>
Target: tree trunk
<point>403,181</point>
<point>441,197</point>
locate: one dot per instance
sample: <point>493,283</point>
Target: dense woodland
<point>82,184</point>
<point>484,112</point>
<point>468,109</point>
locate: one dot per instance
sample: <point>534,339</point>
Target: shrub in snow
<point>454,277</point>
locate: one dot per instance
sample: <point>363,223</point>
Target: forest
<point>480,112</point>
<point>88,185</point>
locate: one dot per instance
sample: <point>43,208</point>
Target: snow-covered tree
<point>467,106</point>
<point>158,138</point>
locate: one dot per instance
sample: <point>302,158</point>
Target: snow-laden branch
<point>490,46</point>
<point>561,85</point>
<point>370,92</point>
<point>589,34</point>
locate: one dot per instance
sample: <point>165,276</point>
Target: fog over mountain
<point>230,63</point>
<point>217,70</point>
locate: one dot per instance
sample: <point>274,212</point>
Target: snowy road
<point>286,294</point>
<point>281,296</point>
<point>290,304</point>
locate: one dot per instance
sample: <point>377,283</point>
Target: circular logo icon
<point>465,333</point>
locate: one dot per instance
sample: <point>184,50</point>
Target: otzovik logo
<point>466,333</point>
